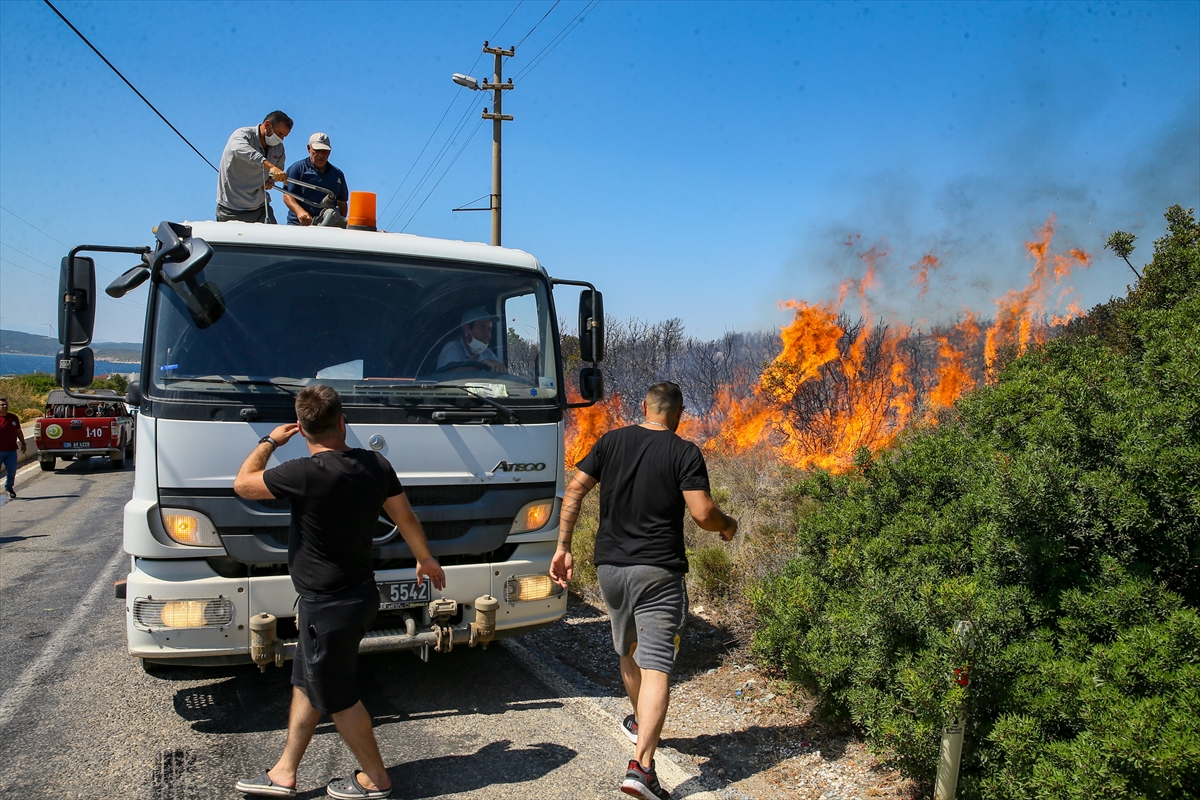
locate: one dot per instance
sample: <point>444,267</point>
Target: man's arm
<point>298,209</point>
<point>21,434</point>
<point>702,508</point>
<point>249,482</point>
<point>401,513</point>
<point>562,567</point>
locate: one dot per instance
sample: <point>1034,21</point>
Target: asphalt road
<point>80,719</point>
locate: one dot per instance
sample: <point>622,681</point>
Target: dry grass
<point>753,487</point>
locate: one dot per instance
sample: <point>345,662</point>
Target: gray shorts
<point>647,607</point>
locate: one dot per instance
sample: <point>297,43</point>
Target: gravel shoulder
<point>743,734</point>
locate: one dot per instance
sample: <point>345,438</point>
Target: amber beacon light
<point>362,211</point>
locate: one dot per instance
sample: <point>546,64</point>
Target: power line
<point>444,174</point>
<point>437,127</point>
<point>27,269</point>
<point>36,228</point>
<point>539,22</point>
<point>557,40</point>
<point>412,195</point>
<point>22,252</point>
<point>127,83</point>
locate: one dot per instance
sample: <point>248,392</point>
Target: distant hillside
<point>33,345</point>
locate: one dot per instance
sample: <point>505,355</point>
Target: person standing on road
<point>336,496</point>
<point>647,477</point>
<point>10,432</point>
<point>252,163</point>
<point>316,170</point>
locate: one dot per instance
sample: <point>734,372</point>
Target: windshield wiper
<point>509,414</point>
<point>278,382</point>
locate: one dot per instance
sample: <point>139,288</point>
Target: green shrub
<point>712,570</point>
<point>1058,512</point>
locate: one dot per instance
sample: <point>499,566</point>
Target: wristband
<point>268,440</point>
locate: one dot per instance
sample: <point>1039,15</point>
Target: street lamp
<point>497,86</point>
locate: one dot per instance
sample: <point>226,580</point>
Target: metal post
<point>498,87</point>
<point>950,749</point>
<point>497,79</point>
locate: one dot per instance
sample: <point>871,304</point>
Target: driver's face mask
<point>476,346</point>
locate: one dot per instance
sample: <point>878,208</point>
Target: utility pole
<point>498,86</point>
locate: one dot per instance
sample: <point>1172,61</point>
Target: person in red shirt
<point>10,433</point>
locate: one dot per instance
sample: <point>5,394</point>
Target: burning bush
<point>1055,510</point>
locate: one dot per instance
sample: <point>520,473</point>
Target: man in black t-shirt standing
<point>648,476</point>
<point>336,495</point>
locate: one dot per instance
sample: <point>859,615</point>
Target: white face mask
<point>273,140</point>
<point>477,346</point>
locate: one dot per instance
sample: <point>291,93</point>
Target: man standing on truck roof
<point>336,495</point>
<point>316,170</point>
<point>252,163</point>
<point>647,477</point>
<point>10,432</point>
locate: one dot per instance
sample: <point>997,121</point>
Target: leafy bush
<point>1058,513</point>
<point>712,570</point>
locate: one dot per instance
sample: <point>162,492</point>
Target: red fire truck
<point>74,428</point>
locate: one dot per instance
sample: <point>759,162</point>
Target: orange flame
<point>926,264</point>
<point>838,387</point>
<point>586,425</point>
<point>1019,314</point>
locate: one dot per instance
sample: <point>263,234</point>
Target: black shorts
<point>326,663</point>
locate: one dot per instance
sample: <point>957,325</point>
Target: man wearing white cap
<point>316,170</point>
<point>472,346</point>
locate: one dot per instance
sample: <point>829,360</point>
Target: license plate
<point>76,445</point>
<point>403,594</point>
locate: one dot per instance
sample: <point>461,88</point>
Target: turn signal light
<point>530,587</point>
<point>189,527</point>
<point>533,516</point>
<point>362,211</point>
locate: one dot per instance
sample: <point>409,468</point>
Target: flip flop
<point>263,786</point>
<point>351,789</point>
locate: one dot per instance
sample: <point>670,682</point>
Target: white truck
<point>242,316</point>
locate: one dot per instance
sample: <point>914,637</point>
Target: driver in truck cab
<point>336,496</point>
<point>473,344</point>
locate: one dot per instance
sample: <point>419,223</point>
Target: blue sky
<point>695,160</point>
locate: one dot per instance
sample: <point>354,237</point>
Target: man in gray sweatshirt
<point>252,162</point>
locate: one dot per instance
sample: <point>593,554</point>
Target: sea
<point>16,364</point>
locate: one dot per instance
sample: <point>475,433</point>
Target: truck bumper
<point>165,597</point>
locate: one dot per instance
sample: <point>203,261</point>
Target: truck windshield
<point>367,325</point>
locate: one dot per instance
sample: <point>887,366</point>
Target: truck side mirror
<point>78,371</point>
<point>133,394</point>
<point>591,326</point>
<point>77,295</point>
<point>179,255</point>
<point>591,384</point>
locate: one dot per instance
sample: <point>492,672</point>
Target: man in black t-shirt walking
<point>336,495</point>
<point>648,476</point>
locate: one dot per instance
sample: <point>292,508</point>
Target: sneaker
<point>629,725</point>
<point>12,493</point>
<point>643,783</point>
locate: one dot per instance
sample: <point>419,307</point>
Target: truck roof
<point>405,244</point>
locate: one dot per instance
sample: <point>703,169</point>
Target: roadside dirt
<point>747,734</point>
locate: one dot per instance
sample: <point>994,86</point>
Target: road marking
<point>683,782</point>
<point>16,695</point>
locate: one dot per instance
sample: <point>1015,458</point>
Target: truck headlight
<point>523,588</point>
<point>207,612</point>
<point>190,527</point>
<point>533,516</point>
